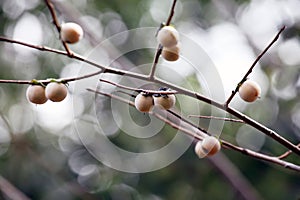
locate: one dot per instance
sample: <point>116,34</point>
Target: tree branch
<point>45,82</point>
<point>199,136</point>
<point>253,65</point>
<point>217,118</point>
<point>159,48</point>
<point>179,89</point>
<point>57,25</point>
<point>138,89</point>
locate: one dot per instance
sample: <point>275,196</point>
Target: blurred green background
<point>41,153</point>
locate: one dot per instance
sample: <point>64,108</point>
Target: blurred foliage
<point>42,155</point>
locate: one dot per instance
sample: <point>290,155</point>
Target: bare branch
<point>225,144</point>
<point>45,82</point>
<point>138,89</point>
<point>253,65</point>
<point>235,113</point>
<point>155,62</point>
<point>217,118</point>
<point>105,69</point>
<point>57,25</point>
<point>159,48</point>
<point>179,89</point>
<point>172,12</point>
<point>286,154</point>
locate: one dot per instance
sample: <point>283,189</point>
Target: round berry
<point>164,101</point>
<point>143,102</point>
<point>71,32</point>
<point>36,94</point>
<point>211,145</point>
<point>171,53</point>
<point>168,36</point>
<point>249,91</point>
<point>56,92</point>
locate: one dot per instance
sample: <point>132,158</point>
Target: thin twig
<point>217,118</point>
<point>45,82</point>
<point>253,65</point>
<point>155,61</point>
<point>57,25</point>
<point>172,11</point>
<point>286,154</point>
<point>138,89</point>
<point>261,156</point>
<point>202,130</point>
<point>159,47</point>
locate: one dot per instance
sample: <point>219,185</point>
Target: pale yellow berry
<point>56,92</point>
<point>171,53</point>
<point>143,102</point>
<point>164,101</point>
<point>71,32</point>
<point>36,94</point>
<point>211,145</point>
<point>168,36</point>
<point>249,91</point>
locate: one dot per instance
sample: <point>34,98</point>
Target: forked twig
<point>286,154</point>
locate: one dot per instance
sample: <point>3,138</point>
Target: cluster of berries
<point>39,94</point>
<point>168,37</point>
<point>144,102</point>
